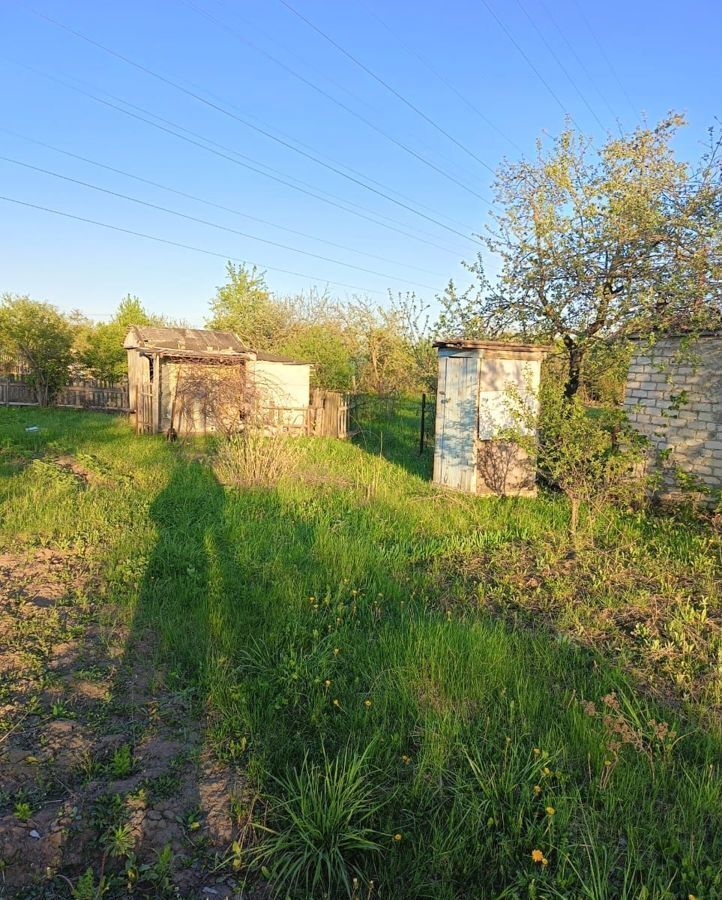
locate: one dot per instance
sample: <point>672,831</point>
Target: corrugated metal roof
<point>198,339</point>
<point>196,343</point>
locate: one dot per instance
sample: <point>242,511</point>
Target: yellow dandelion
<point>537,789</point>
<point>336,651</point>
<point>537,751</point>
<point>327,682</point>
<point>405,759</point>
<point>546,771</point>
<point>397,837</point>
<point>550,810</point>
<point>336,703</point>
<point>368,703</point>
<point>537,856</point>
<point>545,861</point>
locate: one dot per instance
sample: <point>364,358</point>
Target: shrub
<point>593,456</point>
<point>253,457</point>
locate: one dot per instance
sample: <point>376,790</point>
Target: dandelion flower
<point>545,861</point>
<point>550,810</point>
<point>537,856</point>
<point>537,751</point>
<point>537,789</point>
<point>336,703</point>
<point>327,682</point>
<point>397,837</point>
<point>546,771</point>
<point>405,759</point>
<point>336,651</point>
<point>368,703</point>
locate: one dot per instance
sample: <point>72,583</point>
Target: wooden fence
<point>79,394</point>
<point>329,414</point>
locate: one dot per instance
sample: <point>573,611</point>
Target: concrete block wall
<point>674,397</point>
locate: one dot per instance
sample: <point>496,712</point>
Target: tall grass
<point>367,659</point>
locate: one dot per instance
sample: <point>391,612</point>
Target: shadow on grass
<point>392,428</point>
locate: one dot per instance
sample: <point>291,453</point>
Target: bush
<point>593,456</point>
<point>254,457</point>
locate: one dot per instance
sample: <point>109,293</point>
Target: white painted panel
<point>501,381</point>
<point>457,398</point>
<point>283,385</point>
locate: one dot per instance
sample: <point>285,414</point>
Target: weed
<point>323,836</point>
<point>23,811</point>
<point>121,764</point>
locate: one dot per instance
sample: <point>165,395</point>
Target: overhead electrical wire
<point>580,62</point>
<point>171,243</point>
<point>307,81</point>
<point>246,123</point>
<point>561,65</point>
<point>440,76</point>
<point>208,223</point>
<point>606,58</point>
<point>212,203</point>
<point>386,85</point>
<point>232,155</point>
<point>525,56</point>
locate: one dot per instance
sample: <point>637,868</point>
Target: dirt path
<point>101,765</point>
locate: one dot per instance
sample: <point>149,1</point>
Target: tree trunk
<point>574,373</point>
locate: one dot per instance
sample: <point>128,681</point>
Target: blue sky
<point>599,62</point>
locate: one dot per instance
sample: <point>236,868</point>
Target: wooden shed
<point>472,409</point>
<point>192,380</point>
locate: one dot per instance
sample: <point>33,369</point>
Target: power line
<point>174,212</point>
<point>561,65</point>
<point>232,155</point>
<point>531,65</point>
<point>222,109</point>
<point>307,81</point>
<point>170,243</point>
<point>386,85</point>
<point>442,78</point>
<point>211,203</point>
<point>603,52</point>
<point>580,62</point>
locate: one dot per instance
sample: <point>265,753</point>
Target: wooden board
<point>456,421</point>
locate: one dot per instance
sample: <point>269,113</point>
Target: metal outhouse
<point>473,407</point>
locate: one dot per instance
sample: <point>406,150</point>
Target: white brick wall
<point>694,430</point>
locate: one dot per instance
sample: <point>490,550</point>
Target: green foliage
<point>596,242</point>
<point>462,314</point>
<point>245,306</point>
<point>22,811</point>
<point>38,336</point>
<point>122,762</point>
<point>323,829</point>
<point>100,349</point>
<point>327,347</point>
<point>593,456</point>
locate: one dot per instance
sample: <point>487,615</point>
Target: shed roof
<point>196,343</point>
<point>191,339</point>
<point>506,346</point>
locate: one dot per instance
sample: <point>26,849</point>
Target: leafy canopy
<point>39,337</point>
<point>597,242</point>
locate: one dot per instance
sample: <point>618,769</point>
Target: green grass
<point>404,673</point>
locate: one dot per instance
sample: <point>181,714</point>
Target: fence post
<point>423,424</point>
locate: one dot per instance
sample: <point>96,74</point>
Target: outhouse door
<point>456,421</point>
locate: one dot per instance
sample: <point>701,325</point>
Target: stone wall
<point>674,397</point>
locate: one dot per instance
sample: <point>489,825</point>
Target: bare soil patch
<point>101,765</point>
